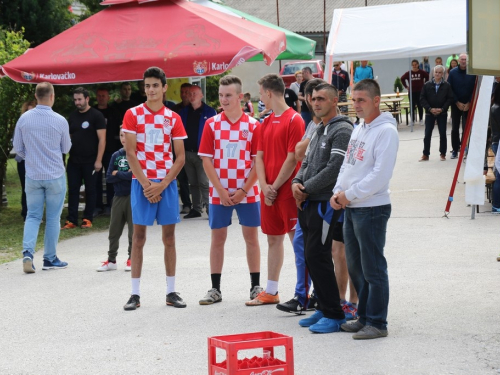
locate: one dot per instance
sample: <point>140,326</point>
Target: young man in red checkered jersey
<point>228,148</point>
<point>276,166</point>
<point>150,129</point>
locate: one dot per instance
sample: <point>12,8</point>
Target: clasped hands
<point>153,192</point>
<point>462,106</point>
<point>230,199</point>
<point>299,194</point>
<point>270,194</point>
<point>339,200</point>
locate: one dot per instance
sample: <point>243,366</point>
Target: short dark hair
<point>231,80</point>
<point>81,90</point>
<point>155,72</point>
<point>307,68</point>
<point>412,61</point>
<point>273,83</point>
<point>369,85</point>
<point>125,84</point>
<point>186,85</point>
<point>332,90</point>
<point>43,90</point>
<point>311,85</point>
<point>102,88</point>
<point>247,95</point>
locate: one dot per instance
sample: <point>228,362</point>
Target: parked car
<point>288,70</point>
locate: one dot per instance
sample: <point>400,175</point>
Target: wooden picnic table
<point>394,95</point>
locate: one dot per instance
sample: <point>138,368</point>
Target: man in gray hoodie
<point>362,188</point>
<point>312,189</point>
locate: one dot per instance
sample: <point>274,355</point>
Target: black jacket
<point>495,123</point>
<point>443,98</point>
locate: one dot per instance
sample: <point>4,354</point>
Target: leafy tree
<point>41,19</point>
<point>92,7</point>
<point>12,94</point>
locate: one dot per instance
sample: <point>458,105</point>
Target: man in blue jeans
<point>362,188</point>
<point>40,138</point>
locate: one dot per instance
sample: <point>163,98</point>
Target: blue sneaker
<point>327,325</point>
<point>495,211</point>
<point>55,264</point>
<point>350,311</point>
<point>454,155</point>
<point>28,266</point>
<point>313,319</point>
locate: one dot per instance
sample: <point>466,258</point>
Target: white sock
<point>170,284</point>
<point>136,283</point>
<point>272,287</point>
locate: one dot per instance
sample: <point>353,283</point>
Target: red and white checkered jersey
<point>232,148</point>
<point>155,132</point>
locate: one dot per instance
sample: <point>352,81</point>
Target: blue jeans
<point>364,237</point>
<point>50,193</point>
<point>496,184</point>
<point>302,286</point>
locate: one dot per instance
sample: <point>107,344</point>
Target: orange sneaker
<point>86,224</point>
<point>68,225</point>
<point>264,298</point>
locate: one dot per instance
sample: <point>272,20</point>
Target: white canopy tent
<point>397,31</point>
<point>406,31</point>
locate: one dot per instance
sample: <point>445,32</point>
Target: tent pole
<point>465,136</point>
<point>410,96</point>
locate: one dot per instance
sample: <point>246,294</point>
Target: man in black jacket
<point>312,189</point>
<point>436,97</point>
<point>340,79</point>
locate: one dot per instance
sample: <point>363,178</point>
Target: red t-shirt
<point>418,80</point>
<point>232,147</point>
<point>278,137</point>
<point>155,132</point>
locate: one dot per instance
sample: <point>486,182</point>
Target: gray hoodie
<point>319,170</point>
<point>369,163</point>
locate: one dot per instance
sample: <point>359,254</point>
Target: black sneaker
<point>173,299</point>
<point>292,306</point>
<point>313,302</point>
<point>133,303</point>
<point>192,214</point>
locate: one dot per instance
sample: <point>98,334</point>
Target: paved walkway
<point>443,315</point>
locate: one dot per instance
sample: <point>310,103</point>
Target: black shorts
<point>338,234</point>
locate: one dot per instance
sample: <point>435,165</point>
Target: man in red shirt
<point>276,166</point>
<point>418,78</point>
<point>228,148</point>
<point>150,129</point>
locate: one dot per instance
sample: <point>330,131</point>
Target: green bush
<point>398,85</point>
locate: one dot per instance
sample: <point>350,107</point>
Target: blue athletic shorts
<point>248,215</point>
<point>165,212</point>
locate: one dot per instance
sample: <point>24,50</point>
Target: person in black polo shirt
<point>125,102</point>
<point>193,117</point>
<point>87,129</point>
<point>112,118</point>
<point>304,110</point>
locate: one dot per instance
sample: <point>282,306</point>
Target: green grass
<point>12,225</point>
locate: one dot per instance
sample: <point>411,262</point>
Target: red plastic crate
<point>233,343</point>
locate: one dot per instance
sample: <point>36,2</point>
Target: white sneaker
<point>128,265</point>
<point>107,266</point>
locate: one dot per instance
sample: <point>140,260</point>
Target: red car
<point>288,70</point>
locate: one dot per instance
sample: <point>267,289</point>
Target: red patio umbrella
<point>118,43</point>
